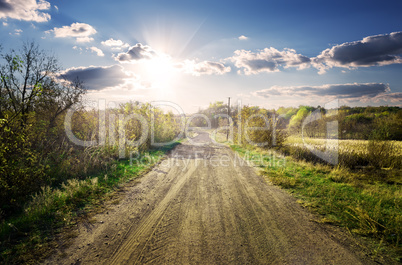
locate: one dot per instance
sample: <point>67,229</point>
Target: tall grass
<point>24,238</point>
<point>351,153</point>
<point>364,202</point>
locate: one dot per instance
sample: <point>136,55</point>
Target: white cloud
<point>80,31</point>
<point>268,60</point>
<point>202,68</point>
<point>56,7</point>
<point>242,37</point>
<point>98,51</point>
<point>84,39</point>
<point>17,32</point>
<point>78,49</point>
<point>115,44</point>
<point>5,24</point>
<point>376,50</point>
<point>28,10</point>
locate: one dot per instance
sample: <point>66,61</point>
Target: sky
<point>191,53</point>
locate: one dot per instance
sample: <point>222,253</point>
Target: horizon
<point>266,54</point>
<point>111,105</point>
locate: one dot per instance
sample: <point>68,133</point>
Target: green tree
<point>215,108</point>
<point>30,81</point>
<point>33,97</point>
<point>296,121</point>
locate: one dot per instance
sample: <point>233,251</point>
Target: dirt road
<point>200,207</point>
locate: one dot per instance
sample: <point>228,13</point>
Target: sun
<point>160,72</point>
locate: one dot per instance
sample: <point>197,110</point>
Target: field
<point>353,154</point>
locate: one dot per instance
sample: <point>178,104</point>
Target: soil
<point>202,206</point>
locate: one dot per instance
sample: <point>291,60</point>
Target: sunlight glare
<point>161,73</point>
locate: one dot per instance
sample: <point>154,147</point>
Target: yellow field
<point>355,152</point>
<point>344,145</point>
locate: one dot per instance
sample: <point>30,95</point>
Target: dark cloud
<point>257,65</point>
<point>219,67</point>
<point>5,6</point>
<point>353,90</point>
<point>97,77</point>
<point>79,30</point>
<point>136,53</point>
<point>345,91</point>
<point>392,97</point>
<point>373,50</point>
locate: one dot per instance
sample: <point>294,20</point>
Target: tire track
<point>131,245</point>
<point>193,211</point>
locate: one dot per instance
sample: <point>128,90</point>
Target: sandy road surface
<point>200,207</point>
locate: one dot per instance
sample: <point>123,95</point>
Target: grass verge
<point>363,202</point>
<point>27,238</point>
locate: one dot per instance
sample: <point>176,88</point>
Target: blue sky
<point>267,53</point>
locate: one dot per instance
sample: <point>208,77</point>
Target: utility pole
<point>227,133</point>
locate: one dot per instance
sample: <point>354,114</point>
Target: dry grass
<point>351,153</point>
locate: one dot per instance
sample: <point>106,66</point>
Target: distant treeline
<point>360,123</point>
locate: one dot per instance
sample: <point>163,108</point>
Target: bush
<point>250,117</point>
<point>21,170</point>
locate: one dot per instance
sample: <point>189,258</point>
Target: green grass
<point>364,202</point>
<point>26,238</point>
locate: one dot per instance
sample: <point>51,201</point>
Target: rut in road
<point>201,207</point>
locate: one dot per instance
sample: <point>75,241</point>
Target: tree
<point>215,108</point>
<point>296,121</point>
<point>33,96</point>
<point>30,81</point>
